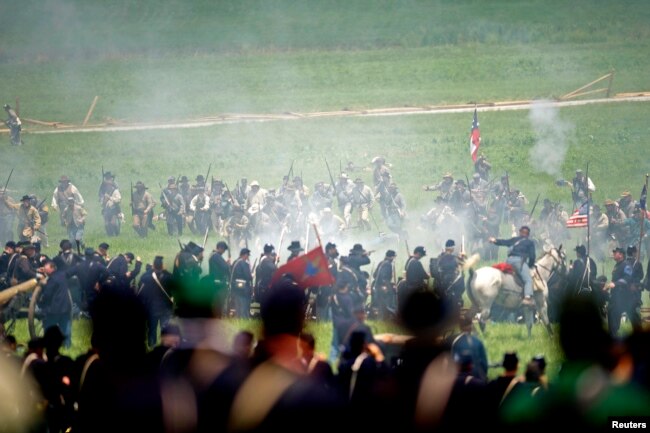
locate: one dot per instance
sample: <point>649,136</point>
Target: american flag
<point>579,217</point>
<point>474,138</point>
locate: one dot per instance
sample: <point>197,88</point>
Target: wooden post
<point>609,85</point>
<point>90,110</point>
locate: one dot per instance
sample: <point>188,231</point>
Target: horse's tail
<point>471,261</point>
<point>470,292</point>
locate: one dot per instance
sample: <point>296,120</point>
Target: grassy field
<point>157,61</point>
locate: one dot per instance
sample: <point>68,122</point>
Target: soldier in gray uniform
<point>200,207</point>
<point>110,199</point>
<point>343,190</point>
<point>322,197</point>
<point>62,193</point>
<point>445,187</point>
<point>6,220</point>
<point>174,206</point>
<point>362,201</point>
<point>142,207</point>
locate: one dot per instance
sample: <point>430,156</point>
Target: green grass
<point>157,61</point>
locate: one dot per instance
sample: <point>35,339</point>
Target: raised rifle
<point>205,179</point>
<point>4,190</point>
<point>332,183</point>
<point>78,246</point>
<point>169,205</point>
<point>534,206</point>
<point>205,238</point>
<point>230,194</point>
<point>132,204</point>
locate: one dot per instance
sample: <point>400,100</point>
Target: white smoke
<point>551,137</point>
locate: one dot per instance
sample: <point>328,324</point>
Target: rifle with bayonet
<point>332,183</point>
<point>132,203</point>
<point>164,194</point>
<point>534,206</point>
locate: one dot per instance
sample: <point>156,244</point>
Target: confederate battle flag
<point>474,138</point>
<point>309,270</point>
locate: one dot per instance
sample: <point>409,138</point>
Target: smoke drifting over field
<point>551,137</point>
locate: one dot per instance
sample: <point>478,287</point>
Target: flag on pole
<point>644,196</point>
<point>580,217</point>
<point>474,138</point>
<point>308,270</point>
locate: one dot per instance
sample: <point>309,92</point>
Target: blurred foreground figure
<point>14,124</point>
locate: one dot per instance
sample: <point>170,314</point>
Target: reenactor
<point>174,205</point>
<point>219,268</point>
<point>14,124</point>
<point>362,200</point>
<point>24,267</point>
<point>241,284</point>
<point>599,226</point>
<point>6,258</point>
<point>482,167</point>
<point>118,269</point>
<point>382,195</point>
<point>256,195</point>
<point>29,220</point>
<point>291,199</point>
<point>237,227</point>
<point>517,207</point>
<point>395,210</point>
<point>357,258</point>
<point>626,204</point>
<point>198,186</point>
<point>109,199</point>
<point>142,206</point>
<point>155,292</point>
<point>581,187</point>
<point>459,196</point>
<point>444,187</point>
<point>241,191</point>
<point>625,289</point>
<point>383,287</point>
<point>501,189</point>
<point>616,219</point>
<point>322,197</point>
<point>416,278</point>
<point>343,190</point>
<point>101,255</point>
<point>200,207</point>
<point>633,228</point>
<point>478,188</point>
<point>220,205</point>
<point>581,278</point>
<point>295,250</point>
<point>330,224</point>
<point>264,272</point>
<point>6,218</point>
<point>380,170</point>
<point>303,190</point>
<point>185,190</point>
<point>451,282</point>
<point>324,293</point>
<point>74,218</point>
<point>61,194</point>
<point>276,210</point>
<point>44,212</point>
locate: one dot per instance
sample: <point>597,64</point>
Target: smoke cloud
<point>551,137</point>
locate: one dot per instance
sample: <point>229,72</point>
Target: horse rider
<point>521,257</point>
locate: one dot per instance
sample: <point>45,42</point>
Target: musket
<point>205,179</point>
<point>408,250</point>
<point>230,194</point>
<point>132,204</point>
<point>229,247</point>
<point>165,196</point>
<point>78,246</point>
<point>277,258</point>
<point>205,238</point>
<point>289,173</point>
<point>180,244</point>
<point>7,182</point>
<point>534,206</point>
<point>332,183</point>
<point>368,202</point>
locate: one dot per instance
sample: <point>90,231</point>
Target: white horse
<point>488,285</point>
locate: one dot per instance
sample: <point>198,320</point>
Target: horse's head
<point>559,258</point>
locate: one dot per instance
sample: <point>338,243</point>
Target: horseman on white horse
<point>522,259</point>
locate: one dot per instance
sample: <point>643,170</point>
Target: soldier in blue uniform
<point>625,289</point>
<point>522,258</point>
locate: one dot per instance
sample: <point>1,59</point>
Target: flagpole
<point>588,213</point>
<point>643,212</point>
<point>317,234</point>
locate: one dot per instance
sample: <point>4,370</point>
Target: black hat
<point>329,246</point>
<point>200,177</point>
<point>357,249</point>
<point>183,179</point>
<point>631,250</point>
<point>109,175</point>
<point>541,362</point>
<point>25,197</point>
<point>10,244</point>
<point>88,252</point>
<point>358,180</point>
<point>158,262</point>
<point>103,246</point>
<point>524,228</point>
<point>510,360</point>
<point>581,249</point>
<point>28,246</point>
<point>244,251</point>
<point>295,246</point>
<point>268,248</point>
<point>129,255</point>
<point>450,243</point>
<point>420,250</point>
<point>222,244</point>
<point>139,184</point>
<point>619,250</point>
<point>193,248</point>
<point>390,253</point>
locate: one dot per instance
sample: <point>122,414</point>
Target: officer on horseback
<point>521,257</point>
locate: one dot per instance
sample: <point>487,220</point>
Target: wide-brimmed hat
<point>390,253</point>
<point>244,251</point>
<point>268,248</point>
<point>193,248</point>
<point>139,184</point>
<point>222,244</point>
<point>295,246</point>
<point>447,175</point>
<point>618,250</point>
<point>420,250</point>
<point>25,197</point>
<point>581,249</point>
<point>64,178</point>
<point>358,180</point>
<point>357,249</point>
<point>109,175</point>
